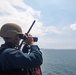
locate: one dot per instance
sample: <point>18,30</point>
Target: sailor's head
<point>10,31</point>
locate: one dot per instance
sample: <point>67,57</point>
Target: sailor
<point>12,60</point>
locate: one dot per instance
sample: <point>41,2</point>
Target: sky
<point>55,24</point>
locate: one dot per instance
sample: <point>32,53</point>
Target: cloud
<point>57,43</point>
<point>9,11</point>
<point>53,29</point>
<point>17,11</point>
<point>9,7</point>
<point>73,26</point>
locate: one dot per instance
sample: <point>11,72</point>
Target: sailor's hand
<point>29,39</point>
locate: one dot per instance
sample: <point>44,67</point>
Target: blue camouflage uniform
<point>11,59</point>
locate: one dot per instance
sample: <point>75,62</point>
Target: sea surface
<point>58,62</point>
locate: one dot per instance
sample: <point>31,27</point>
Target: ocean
<point>58,62</point>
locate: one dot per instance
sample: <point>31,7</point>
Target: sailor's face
<point>17,40</point>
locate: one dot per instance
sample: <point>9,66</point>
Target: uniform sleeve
<point>18,59</point>
<point>25,48</point>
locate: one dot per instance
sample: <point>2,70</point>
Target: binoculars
<point>22,36</point>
